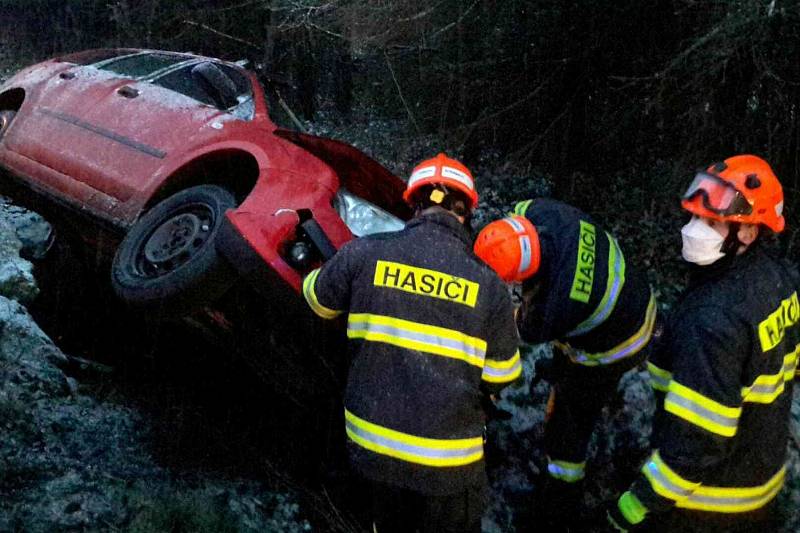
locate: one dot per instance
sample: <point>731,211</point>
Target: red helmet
<point>442,170</point>
<point>741,189</point>
<point>511,247</point>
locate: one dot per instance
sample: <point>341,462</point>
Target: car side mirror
<point>219,86</point>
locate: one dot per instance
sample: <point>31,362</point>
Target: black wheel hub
<point>175,241</point>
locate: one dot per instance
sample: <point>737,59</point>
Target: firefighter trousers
<point>578,397</point>
<point>399,510</point>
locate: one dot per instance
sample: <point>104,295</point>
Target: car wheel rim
<point>175,241</point>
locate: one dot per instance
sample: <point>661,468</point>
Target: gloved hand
<point>619,522</point>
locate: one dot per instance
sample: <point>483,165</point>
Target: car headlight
<point>363,217</point>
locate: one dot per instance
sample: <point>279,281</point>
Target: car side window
<point>184,82</point>
<point>244,93</point>
<point>181,81</point>
<point>140,65</point>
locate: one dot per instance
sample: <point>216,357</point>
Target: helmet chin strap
<point>731,244</point>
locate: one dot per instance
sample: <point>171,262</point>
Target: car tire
<point>6,117</point>
<point>168,262</point>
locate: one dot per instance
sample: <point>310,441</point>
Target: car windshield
<point>141,65</point>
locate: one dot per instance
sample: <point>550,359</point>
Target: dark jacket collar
<point>699,275</point>
<point>444,221</point>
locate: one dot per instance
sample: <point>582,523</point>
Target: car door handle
<point>127,92</point>
<point>66,75</point>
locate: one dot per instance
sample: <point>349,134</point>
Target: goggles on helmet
<point>719,196</point>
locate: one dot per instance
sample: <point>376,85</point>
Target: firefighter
<point>431,332</point>
<point>598,311</point>
<point>726,366</point>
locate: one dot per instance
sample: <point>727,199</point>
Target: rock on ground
<point>16,273</point>
<point>71,462</point>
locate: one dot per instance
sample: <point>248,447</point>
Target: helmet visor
<point>718,195</point>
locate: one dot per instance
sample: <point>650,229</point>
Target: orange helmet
<point>442,170</point>
<point>511,247</point>
<point>742,189</point>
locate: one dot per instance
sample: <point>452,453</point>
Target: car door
<point>107,127</point>
<point>53,132</point>
<point>153,120</point>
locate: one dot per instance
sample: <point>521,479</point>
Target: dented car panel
<point>110,133</point>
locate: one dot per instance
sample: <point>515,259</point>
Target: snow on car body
<point>175,154</point>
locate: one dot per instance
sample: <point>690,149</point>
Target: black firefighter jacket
<point>726,368</point>
<point>598,307</point>
<point>430,331</point>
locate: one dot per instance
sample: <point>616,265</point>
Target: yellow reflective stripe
<point>659,378</point>
<point>690,495</point>
<point>768,387</point>
<point>311,297</point>
<point>628,348</point>
<point>415,336</point>
<point>665,481</point>
<point>735,499</point>
<point>701,410</point>
<point>522,207</point>
<point>412,448</point>
<point>502,371</point>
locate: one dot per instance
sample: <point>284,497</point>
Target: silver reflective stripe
<point>630,347</point>
<point>410,448</point>
<point>587,358</point>
<point>717,501</point>
<point>659,382</point>
<point>702,412</point>
<point>660,479</point>
<point>525,257</point>
<point>502,372</point>
<point>515,225</point>
<point>612,294</point>
<point>768,389</point>
<point>426,338</point>
<point>422,173</point>
<point>692,495</point>
<point>455,174</point>
<point>559,470</point>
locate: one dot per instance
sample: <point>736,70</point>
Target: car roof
<point>188,58</point>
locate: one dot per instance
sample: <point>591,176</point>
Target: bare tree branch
<point>455,22</point>
<point>221,34</point>
<point>400,92</point>
<point>289,112</point>
<point>239,6</point>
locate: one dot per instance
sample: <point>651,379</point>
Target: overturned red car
<point>169,165</point>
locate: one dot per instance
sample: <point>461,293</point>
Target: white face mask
<point>702,244</point>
